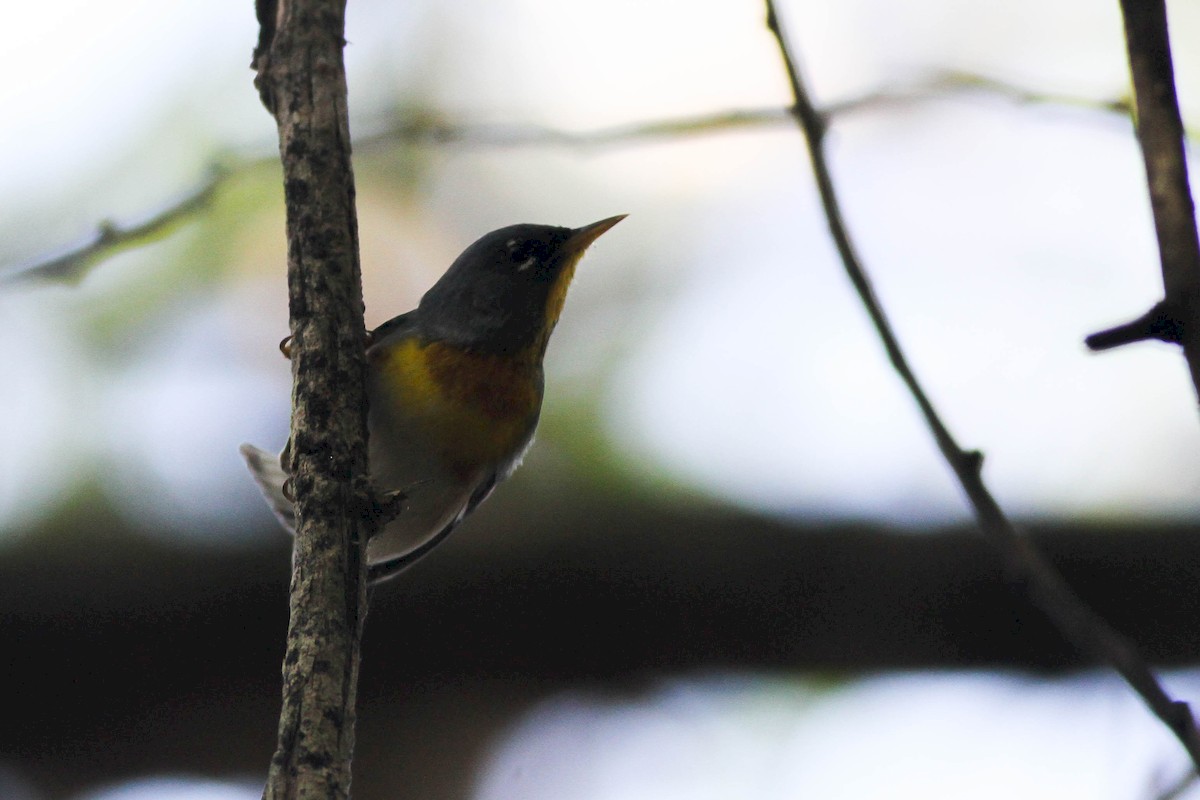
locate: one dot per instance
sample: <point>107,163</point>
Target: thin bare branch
<point>1042,583</point>
<point>1161,135</point>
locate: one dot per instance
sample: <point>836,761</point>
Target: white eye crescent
<point>526,264</point>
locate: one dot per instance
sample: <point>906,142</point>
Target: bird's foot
<point>384,505</point>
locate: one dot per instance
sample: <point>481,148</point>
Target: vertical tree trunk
<point>301,78</point>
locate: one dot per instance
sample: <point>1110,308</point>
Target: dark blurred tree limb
<point>504,604</point>
<point>1043,584</point>
<point>1176,318</point>
<point>302,82</point>
<point>419,127</point>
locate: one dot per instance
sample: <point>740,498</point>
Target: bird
<point>454,388</point>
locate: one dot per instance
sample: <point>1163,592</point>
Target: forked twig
<point>1043,584</point>
<point>1161,134</point>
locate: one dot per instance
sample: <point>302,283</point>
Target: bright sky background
<point>950,735</point>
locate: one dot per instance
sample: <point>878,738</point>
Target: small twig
<point>1161,323</point>
<point>1161,136</point>
<point>1043,583</point>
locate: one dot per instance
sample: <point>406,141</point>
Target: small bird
<point>454,387</point>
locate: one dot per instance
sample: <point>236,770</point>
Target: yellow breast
<point>474,409</point>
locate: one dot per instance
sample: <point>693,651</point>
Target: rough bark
<point>301,79</point>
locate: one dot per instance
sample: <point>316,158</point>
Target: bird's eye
<point>522,254</point>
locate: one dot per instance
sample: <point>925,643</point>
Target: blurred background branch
<point>419,127</point>
<point>200,628</point>
<point>112,238</point>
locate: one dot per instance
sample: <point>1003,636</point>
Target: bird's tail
<point>269,474</point>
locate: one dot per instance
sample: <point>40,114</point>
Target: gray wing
<point>269,474</point>
<point>386,570</point>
